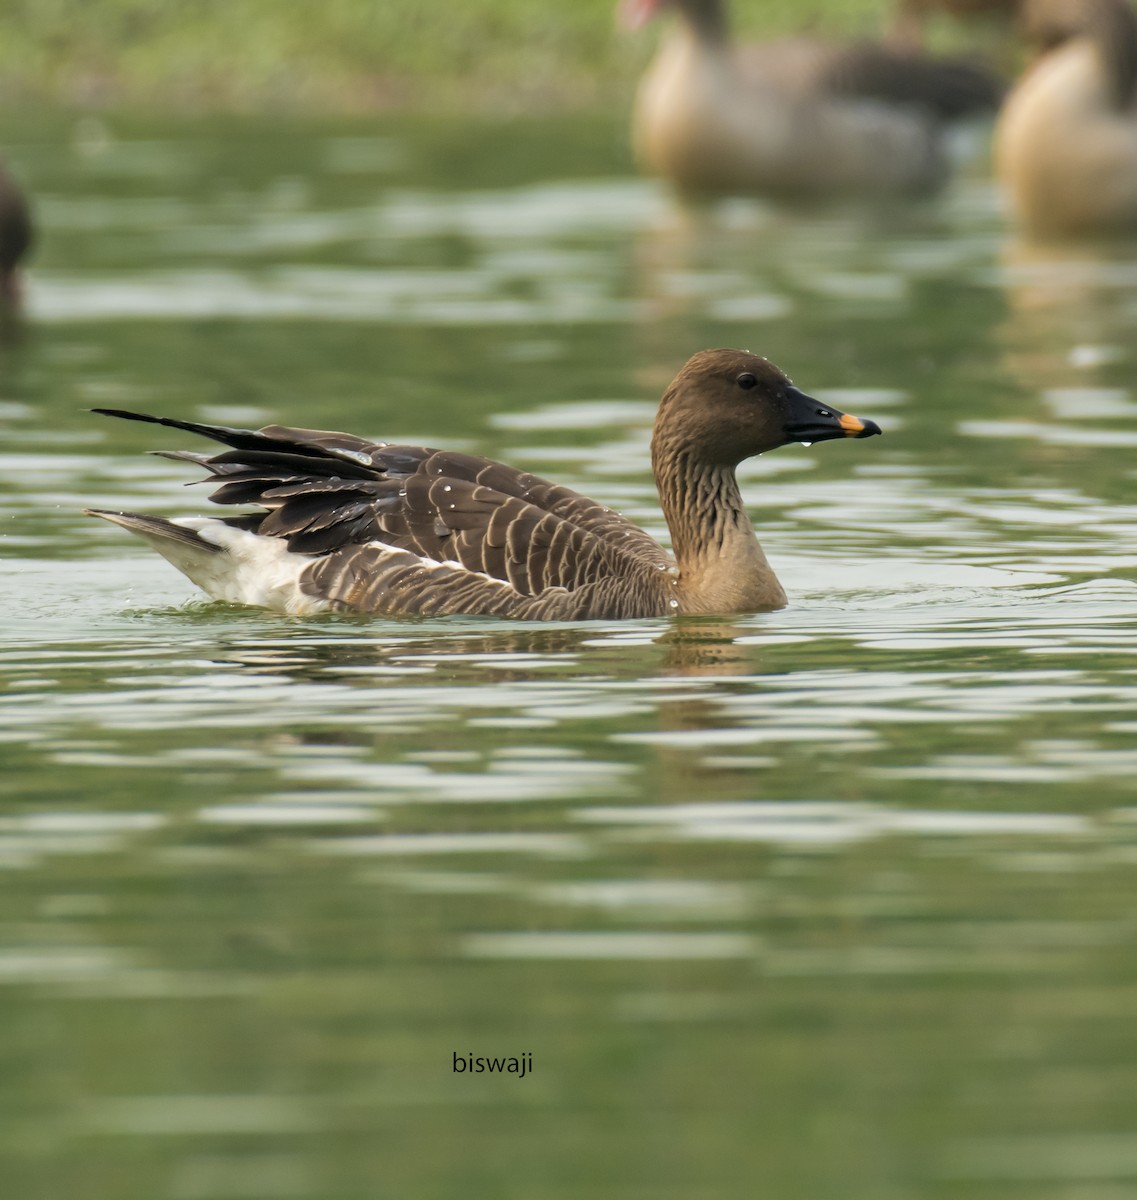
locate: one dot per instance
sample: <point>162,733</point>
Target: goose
<point>795,117</point>
<point>1066,140</point>
<point>15,239</point>
<point>351,525</point>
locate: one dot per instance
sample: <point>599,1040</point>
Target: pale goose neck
<point>721,565</point>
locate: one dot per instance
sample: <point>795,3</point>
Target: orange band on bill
<point>851,425</point>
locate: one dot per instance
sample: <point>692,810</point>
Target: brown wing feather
<point>377,579</point>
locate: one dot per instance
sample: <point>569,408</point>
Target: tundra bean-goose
<point>351,525</point>
<point>15,239</point>
<point>797,116</point>
<point>1066,140</point>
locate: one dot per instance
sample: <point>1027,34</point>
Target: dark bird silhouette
<point>15,240</point>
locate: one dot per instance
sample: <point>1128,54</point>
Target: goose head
<point>725,406</point>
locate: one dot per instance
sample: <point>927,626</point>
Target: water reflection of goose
<point>1069,316</point>
<point>353,525</point>
<point>1066,141</point>
<point>796,116</point>
<point>514,652</point>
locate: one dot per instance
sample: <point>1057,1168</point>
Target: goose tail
<point>227,562</point>
<point>163,535</point>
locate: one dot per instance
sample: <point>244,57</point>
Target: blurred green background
<point>351,55</point>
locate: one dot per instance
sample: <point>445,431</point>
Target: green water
<point>834,902</point>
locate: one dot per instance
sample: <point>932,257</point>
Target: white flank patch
<point>255,570</point>
<point>262,571</point>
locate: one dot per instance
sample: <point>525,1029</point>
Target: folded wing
<point>347,500</point>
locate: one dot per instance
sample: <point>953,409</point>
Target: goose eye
<point>746,381</point>
<point>824,412</point>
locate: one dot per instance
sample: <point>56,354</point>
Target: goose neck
<point>1112,25</point>
<point>721,565</point>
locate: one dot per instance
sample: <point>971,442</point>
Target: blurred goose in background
<point>15,240</point>
<point>358,526</point>
<point>1066,140</point>
<point>794,117</point>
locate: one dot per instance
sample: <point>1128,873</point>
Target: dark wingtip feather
<point>125,413</point>
<point>190,456</point>
<point>239,439</point>
<point>273,440</point>
<point>213,431</point>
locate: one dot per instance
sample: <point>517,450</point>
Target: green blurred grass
<point>349,55</point>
